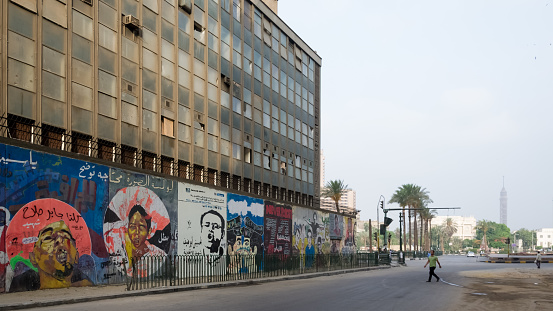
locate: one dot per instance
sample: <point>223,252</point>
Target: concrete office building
<point>217,91</point>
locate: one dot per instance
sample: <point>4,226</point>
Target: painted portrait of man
<point>55,260</point>
<point>212,226</point>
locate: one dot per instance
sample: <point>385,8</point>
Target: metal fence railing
<point>174,270</point>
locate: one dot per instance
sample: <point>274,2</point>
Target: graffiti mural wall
<point>278,229</point>
<point>140,220</point>
<point>47,198</point>
<point>244,230</point>
<point>66,222</point>
<point>349,237</point>
<point>310,234</point>
<point>202,225</point>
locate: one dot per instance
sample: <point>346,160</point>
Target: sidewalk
<point>52,297</point>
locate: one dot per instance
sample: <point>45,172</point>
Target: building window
<point>149,161</point>
<point>198,173</point>
<point>53,137</point>
<point>225,180</point>
<point>212,177</point>
<point>184,170</point>
<point>167,127</point>
<point>128,155</point>
<point>247,185</point>
<point>106,150</point>
<point>20,128</point>
<point>80,143</point>
<point>167,165</point>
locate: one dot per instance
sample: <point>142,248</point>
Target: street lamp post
<point>400,240</point>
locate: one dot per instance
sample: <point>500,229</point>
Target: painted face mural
<point>45,239</point>
<point>202,223</point>
<point>131,225</point>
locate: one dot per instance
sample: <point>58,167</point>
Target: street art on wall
<point>310,233</point>
<point>49,246</point>
<point>27,176</point>
<point>244,231</point>
<point>4,260</point>
<point>202,225</point>
<point>349,240</point>
<point>336,227</point>
<point>278,229</point>
<point>137,222</point>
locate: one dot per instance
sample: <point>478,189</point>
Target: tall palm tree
<point>334,190</point>
<point>413,197</point>
<point>426,216</point>
<point>449,228</point>
<point>401,197</point>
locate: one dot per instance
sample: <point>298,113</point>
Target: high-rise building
<point>503,206</point>
<point>347,202</point>
<point>217,91</point>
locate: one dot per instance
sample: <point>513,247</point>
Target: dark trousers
<point>538,263</point>
<point>431,273</point>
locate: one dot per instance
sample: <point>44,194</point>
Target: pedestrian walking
<point>432,260</point>
<point>538,260</point>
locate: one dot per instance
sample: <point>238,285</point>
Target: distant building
<point>544,237</point>
<point>347,202</point>
<point>466,226</point>
<point>503,206</point>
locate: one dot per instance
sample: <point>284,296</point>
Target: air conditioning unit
<point>186,5</point>
<point>131,21</point>
<point>226,80</point>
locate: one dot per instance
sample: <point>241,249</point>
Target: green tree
<point>492,233</point>
<point>528,238</point>
<point>334,190</point>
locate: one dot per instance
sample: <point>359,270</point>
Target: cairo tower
<point>503,206</point>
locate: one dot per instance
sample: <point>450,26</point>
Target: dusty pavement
<point>522,287</point>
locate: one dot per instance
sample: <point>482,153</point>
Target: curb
<point>516,261</point>
<point>181,288</point>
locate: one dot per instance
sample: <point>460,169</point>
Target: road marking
<point>452,284</point>
<point>480,294</point>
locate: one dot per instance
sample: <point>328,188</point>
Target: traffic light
<point>508,241</point>
<point>375,236</point>
<point>382,204</point>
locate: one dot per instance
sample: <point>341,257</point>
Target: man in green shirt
<point>432,260</point>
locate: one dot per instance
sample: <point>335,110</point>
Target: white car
<point>471,254</point>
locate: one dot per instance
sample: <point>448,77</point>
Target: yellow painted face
<point>138,230</point>
<point>55,252</point>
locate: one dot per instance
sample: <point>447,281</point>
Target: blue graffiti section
<point>244,229</point>
<point>27,176</point>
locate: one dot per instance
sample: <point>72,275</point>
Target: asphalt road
<point>399,288</point>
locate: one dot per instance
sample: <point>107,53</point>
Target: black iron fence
<point>174,270</point>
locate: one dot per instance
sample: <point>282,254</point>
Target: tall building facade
<point>503,206</point>
<point>216,91</point>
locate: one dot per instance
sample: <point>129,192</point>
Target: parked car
<point>471,254</point>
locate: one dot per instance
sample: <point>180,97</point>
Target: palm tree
<point>414,197</point>
<point>484,226</point>
<point>334,190</point>
<point>426,216</point>
<point>400,197</point>
<point>449,228</point>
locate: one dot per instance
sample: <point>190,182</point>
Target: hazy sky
<point>450,95</point>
